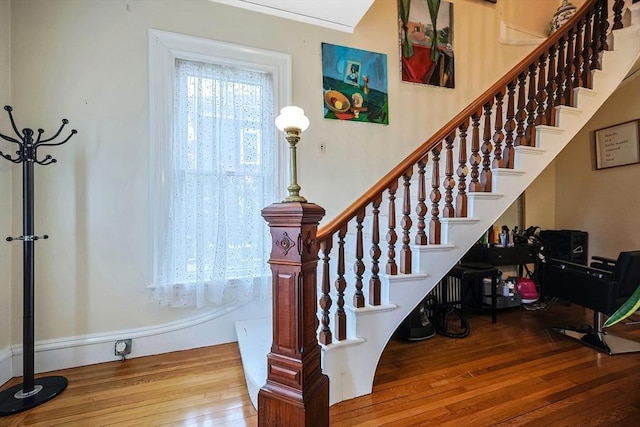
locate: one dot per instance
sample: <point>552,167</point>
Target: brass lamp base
<point>294,199</point>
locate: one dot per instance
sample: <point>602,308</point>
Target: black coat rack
<point>31,392</point>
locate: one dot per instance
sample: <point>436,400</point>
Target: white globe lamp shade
<point>292,117</point>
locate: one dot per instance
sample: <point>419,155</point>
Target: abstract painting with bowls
<point>354,84</point>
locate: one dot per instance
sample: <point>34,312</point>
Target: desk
<point>472,274</point>
<point>519,255</point>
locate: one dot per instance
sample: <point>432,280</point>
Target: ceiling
<point>342,15</point>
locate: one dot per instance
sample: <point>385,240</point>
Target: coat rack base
<point>13,400</point>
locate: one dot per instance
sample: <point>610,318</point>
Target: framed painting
<point>426,42</point>
<point>618,145</point>
<point>354,84</point>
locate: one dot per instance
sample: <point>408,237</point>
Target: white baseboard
<point>201,331</point>
<point>5,365</point>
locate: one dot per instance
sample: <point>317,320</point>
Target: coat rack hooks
<point>31,392</point>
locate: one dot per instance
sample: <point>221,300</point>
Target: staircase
<point>500,144</point>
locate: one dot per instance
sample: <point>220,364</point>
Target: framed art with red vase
<point>426,42</point>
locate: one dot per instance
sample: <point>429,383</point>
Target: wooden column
<point>297,392</point>
<point>375,252</point>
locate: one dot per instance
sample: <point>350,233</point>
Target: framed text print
<point>618,145</point>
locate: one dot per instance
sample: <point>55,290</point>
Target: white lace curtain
<point>214,243</point>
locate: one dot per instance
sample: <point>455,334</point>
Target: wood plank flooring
<point>516,372</point>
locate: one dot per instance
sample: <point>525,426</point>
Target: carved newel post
<point>297,392</point>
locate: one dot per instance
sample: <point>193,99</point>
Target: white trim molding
<point>516,35</point>
<point>194,332</point>
<point>6,365</point>
<point>338,15</point>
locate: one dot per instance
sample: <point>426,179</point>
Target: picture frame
<point>354,85</point>
<point>425,42</point>
<point>352,73</point>
<point>618,145</point>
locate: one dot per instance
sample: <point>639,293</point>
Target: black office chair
<point>603,287</point>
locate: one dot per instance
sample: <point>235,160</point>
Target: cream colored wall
<point>570,194</point>
<point>536,18</point>
<point>509,217</point>
<point>540,200</point>
<point>361,152</point>
<point>87,62</point>
<point>606,202</point>
<point>5,179</point>
<point>533,16</point>
<point>539,203</point>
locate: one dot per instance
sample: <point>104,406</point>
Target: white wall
<point>87,62</point>
<point>6,167</point>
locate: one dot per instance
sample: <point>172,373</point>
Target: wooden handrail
<point>475,107</point>
<point>297,393</point>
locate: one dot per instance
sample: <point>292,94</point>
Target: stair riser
<point>355,362</point>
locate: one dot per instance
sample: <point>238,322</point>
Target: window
<point>215,163</point>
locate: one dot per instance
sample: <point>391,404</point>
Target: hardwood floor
<point>516,372</point>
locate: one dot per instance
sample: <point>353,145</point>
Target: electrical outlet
<point>122,348</point>
<point>322,148</point>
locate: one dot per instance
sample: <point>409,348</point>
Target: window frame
<point>164,48</point>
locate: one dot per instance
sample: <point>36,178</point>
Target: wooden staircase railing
<point>503,117</point>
